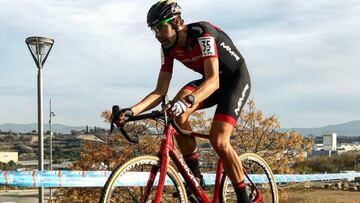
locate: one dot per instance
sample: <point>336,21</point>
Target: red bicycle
<point>163,183</point>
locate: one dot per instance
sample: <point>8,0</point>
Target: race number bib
<point>207,46</point>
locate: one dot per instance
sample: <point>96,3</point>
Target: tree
<point>23,149</point>
<point>99,156</point>
<point>348,161</point>
<point>199,122</point>
<point>207,156</point>
<point>11,166</point>
<point>258,134</point>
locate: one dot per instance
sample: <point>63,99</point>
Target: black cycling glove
<point>116,113</point>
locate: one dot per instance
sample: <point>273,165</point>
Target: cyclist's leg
<point>233,98</point>
<point>187,145</point>
<point>220,139</point>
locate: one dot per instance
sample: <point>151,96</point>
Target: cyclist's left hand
<point>178,108</point>
<point>120,117</point>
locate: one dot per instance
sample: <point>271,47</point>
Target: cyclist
<point>225,82</point>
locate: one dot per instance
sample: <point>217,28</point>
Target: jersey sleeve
<point>208,46</point>
<point>167,62</point>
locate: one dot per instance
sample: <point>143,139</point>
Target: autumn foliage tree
<point>95,156</point>
<point>259,134</point>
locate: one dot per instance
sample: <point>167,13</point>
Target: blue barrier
<point>98,178</point>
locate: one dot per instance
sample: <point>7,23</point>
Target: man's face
<point>165,34</point>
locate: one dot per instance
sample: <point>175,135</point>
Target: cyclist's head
<point>163,12</point>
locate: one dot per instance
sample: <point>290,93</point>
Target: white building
<point>349,146</point>
<point>329,146</point>
<point>318,147</point>
<point>5,157</point>
<point>329,142</point>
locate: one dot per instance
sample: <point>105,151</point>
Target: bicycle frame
<point>167,150</point>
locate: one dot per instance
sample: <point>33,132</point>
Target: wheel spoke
<point>263,187</point>
<point>142,166</point>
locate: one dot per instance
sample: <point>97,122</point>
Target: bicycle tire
<point>173,188</point>
<point>252,164</point>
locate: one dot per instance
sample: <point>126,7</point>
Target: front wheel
<point>127,183</point>
<point>262,190</point>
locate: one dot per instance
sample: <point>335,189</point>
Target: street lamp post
<point>39,48</point>
<point>52,114</point>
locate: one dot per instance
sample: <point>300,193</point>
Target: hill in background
<point>351,128</point>
<point>25,128</point>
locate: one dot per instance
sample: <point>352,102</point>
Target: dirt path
<point>320,196</point>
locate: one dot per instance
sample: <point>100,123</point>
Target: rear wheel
<point>258,172</point>
<point>127,183</point>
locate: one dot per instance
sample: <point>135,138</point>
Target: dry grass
<point>319,196</point>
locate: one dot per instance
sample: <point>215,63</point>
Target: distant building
<point>329,142</point>
<point>323,153</point>
<point>326,148</point>
<point>318,147</point>
<point>91,138</point>
<point>330,147</point>
<point>348,146</point>
<point>5,157</point>
<point>33,164</point>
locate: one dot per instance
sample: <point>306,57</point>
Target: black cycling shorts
<point>230,97</point>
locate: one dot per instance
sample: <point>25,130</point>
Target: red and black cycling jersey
<point>204,40</point>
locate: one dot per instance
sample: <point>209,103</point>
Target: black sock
<point>240,189</point>
<point>193,162</point>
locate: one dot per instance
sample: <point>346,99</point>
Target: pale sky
<point>303,57</point>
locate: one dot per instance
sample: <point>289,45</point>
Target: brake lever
<point>114,111</point>
<point>111,127</point>
<point>114,116</point>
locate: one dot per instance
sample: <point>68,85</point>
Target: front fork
<point>164,162</point>
<point>166,146</point>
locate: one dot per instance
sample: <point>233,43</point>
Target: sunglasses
<point>159,26</point>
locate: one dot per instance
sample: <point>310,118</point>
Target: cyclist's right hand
<point>120,117</point>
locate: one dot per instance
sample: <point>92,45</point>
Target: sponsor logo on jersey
<point>188,60</point>
<point>179,53</point>
<point>241,99</point>
<point>231,52</point>
<point>199,29</point>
